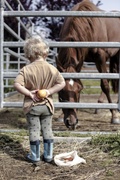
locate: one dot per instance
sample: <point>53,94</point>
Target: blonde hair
<point>35,47</point>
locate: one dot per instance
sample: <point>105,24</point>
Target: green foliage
<point>52,23</point>
<point>12,22</point>
<point>108,143</point>
<point>10,87</point>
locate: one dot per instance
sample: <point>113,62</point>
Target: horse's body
<point>71,59</point>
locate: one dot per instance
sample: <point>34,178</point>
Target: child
<point>37,75</point>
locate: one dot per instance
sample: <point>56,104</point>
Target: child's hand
<point>33,95</point>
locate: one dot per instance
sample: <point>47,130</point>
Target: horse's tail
<point>114,68</point>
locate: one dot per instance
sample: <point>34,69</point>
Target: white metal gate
<point>4,47</point>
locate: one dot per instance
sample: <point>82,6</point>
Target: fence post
<point>119,86</point>
<point>1,51</point>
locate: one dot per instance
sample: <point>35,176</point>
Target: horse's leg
<point>101,66</point>
<point>106,90</point>
<point>100,100</point>
<point>61,117</point>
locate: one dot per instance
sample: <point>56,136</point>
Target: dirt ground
<point>14,145</point>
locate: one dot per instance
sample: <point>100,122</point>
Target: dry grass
<point>13,148</point>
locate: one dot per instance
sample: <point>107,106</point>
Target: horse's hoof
<point>73,127</point>
<point>115,121</point>
<point>66,123</point>
<point>70,126</point>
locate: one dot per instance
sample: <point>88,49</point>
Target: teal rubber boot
<point>34,156</point>
<point>48,150</point>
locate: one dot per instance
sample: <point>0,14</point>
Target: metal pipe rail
<point>25,59</point>
<point>69,105</point>
<point>21,23</point>
<point>70,44</point>
<point>91,75</point>
<point>22,7</point>
<point>62,14</point>
<point>13,33</point>
<point>75,75</point>
<point>15,54</point>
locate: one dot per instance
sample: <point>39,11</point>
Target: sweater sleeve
<point>20,78</point>
<point>59,84</point>
<point>59,78</point>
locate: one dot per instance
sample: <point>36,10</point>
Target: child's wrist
<point>29,94</point>
<point>48,92</point>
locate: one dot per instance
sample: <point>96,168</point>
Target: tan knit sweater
<point>38,75</point>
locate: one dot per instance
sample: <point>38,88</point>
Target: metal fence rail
<point>76,75</point>
<point>70,44</point>
<point>62,14</point>
<point>70,105</point>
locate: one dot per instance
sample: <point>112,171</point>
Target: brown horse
<point>71,59</point>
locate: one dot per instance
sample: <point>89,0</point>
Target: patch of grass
<point>87,86</point>
<point>70,134</point>
<point>91,82</point>
<point>8,140</point>
<point>109,173</point>
<point>87,89</point>
<point>23,133</point>
<point>8,137</point>
<point>108,143</point>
